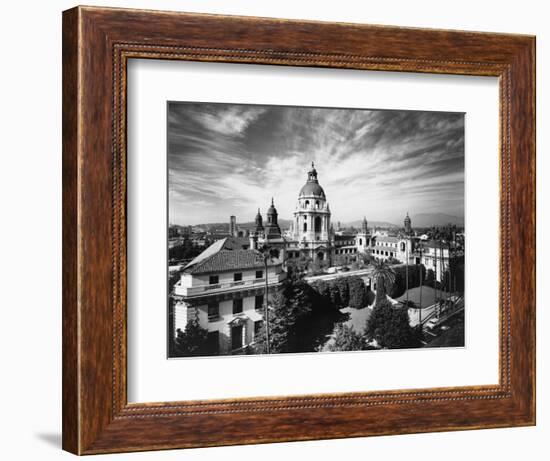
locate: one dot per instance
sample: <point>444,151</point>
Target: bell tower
<point>312,218</point>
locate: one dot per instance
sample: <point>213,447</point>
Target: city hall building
<point>224,287</point>
<point>311,234</point>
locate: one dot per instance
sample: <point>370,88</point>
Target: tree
<point>322,299</point>
<point>390,326</point>
<point>384,276</point>
<point>268,254</point>
<point>191,342</point>
<point>357,292</point>
<point>345,338</point>
<point>430,278</point>
<point>334,295</point>
<point>287,319</point>
<point>296,268</point>
<point>186,250</point>
<point>365,258</point>
<point>343,289</point>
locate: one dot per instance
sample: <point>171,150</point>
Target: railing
<point>227,286</point>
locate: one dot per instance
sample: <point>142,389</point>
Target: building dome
<point>312,187</point>
<point>272,210</point>
<point>259,222</point>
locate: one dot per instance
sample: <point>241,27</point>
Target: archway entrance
<point>320,256</point>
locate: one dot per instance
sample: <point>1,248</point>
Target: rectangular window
<point>305,227</point>
<point>259,302</point>
<point>213,311</point>
<point>259,274</point>
<point>213,280</point>
<point>237,306</point>
<point>238,276</point>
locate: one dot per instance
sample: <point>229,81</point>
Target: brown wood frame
<point>97,43</point>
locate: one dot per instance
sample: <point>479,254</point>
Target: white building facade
<point>223,288</point>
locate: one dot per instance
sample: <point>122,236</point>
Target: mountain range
<point>418,220</point>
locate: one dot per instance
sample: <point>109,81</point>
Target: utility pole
<point>266,308</point>
<point>407,271</point>
<point>421,282</point>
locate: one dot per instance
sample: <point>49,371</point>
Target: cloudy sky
<point>229,159</point>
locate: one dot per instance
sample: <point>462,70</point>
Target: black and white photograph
<point>310,229</point>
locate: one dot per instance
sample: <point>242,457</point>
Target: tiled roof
<point>384,238</point>
<point>385,248</point>
<point>435,244</point>
<point>225,255</point>
<point>226,260</point>
<point>344,237</point>
<point>210,251</point>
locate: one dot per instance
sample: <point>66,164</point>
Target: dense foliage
<point>390,327</point>
<point>384,275</point>
<point>340,292</point>
<point>184,251</point>
<point>288,314</point>
<point>192,341</point>
<point>345,338</point>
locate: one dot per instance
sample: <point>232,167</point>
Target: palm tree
<point>383,274</point>
<point>267,254</point>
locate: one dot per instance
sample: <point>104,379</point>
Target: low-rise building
<point>224,289</point>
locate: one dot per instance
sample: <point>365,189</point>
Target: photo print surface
<point>308,229</point>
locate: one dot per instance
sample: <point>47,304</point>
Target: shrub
<point>357,293</point>
<point>346,339</point>
<point>390,327</point>
<point>191,342</point>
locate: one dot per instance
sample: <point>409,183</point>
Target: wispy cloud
<point>231,159</point>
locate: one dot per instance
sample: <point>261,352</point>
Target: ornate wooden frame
<point>97,43</point>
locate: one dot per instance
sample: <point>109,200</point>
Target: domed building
<point>311,233</point>
<point>311,225</point>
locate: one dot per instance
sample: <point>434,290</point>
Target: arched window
<point>318,224</point>
<point>316,203</point>
<point>305,227</point>
<point>307,202</point>
<point>360,241</point>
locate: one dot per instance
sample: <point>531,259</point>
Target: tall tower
<point>272,229</point>
<point>363,238</point>
<point>312,218</point>
<point>407,223</point>
<point>233,226</point>
<point>364,226</point>
<point>259,227</point>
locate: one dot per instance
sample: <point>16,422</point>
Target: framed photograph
<point>280,230</point>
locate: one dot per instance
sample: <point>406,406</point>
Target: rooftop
<point>386,239</point>
<point>225,255</point>
<point>428,296</point>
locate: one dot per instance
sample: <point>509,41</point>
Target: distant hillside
<point>359,223</point>
<point>283,224</point>
<point>418,220</point>
<point>224,226</point>
<point>435,219</point>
